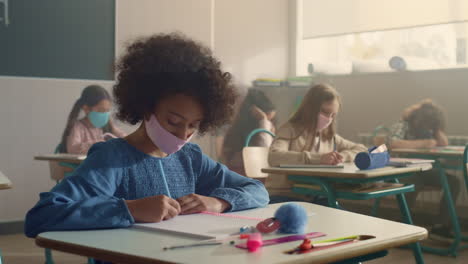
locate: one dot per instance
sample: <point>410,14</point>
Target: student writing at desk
<point>422,125</point>
<point>257,111</point>
<point>175,88</point>
<point>96,126</point>
<point>309,137</point>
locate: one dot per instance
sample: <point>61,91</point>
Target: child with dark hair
<point>173,88</point>
<point>96,126</point>
<point>422,125</point>
<point>256,111</point>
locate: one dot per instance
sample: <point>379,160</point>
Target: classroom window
<point>417,48</point>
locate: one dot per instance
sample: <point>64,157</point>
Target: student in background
<point>256,111</point>
<point>309,137</point>
<point>422,125</point>
<point>174,88</point>
<point>96,126</point>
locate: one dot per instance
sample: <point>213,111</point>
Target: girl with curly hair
<point>422,125</point>
<point>173,88</point>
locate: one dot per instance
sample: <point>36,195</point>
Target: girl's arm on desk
<point>348,149</point>
<point>441,138</point>
<point>216,180</point>
<point>413,144</point>
<point>84,200</point>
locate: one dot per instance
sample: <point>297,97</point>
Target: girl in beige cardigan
<point>309,137</point>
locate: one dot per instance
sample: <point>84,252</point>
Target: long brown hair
<point>305,118</point>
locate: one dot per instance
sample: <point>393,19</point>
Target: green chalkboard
<point>59,39</point>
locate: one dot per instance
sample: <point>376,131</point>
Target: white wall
<point>147,17</point>
<point>251,38</point>
<point>33,112</point>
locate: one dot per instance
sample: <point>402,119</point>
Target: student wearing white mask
<point>173,88</point>
<point>309,137</point>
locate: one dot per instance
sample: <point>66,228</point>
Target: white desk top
<point>456,151</point>
<point>141,246</point>
<point>349,171</point>
<point>5,183</point>
<point>62,157</point>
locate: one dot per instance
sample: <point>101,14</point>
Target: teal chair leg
<point>375,207</point>
<point>417,252</point>
<point>1,261</point>
<point>90,261</point>
<point>48,256</point>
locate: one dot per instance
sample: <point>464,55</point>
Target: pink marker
<point>254,242</point>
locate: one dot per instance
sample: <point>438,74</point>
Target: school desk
<point>5,183</point>
<point>61,164</point>
<point>62,157</point>
<point>328,182</point>
<point>132,245</point>
<point>446,158</point>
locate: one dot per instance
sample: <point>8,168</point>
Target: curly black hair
<point>167,64</point>
<point>425,115</point>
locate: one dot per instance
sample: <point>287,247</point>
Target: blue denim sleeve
<point>216,180</point>
<point>82,201</point>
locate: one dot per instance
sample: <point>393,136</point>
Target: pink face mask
<point>162,138</point>
<point>323,122</point>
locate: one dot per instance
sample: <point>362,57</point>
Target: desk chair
<point>60,170</point>
<point>255,158</point>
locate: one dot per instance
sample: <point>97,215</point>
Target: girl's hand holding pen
<point>153,209</point>
<point>331,158</point>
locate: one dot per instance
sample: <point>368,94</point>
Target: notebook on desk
<point>312,166</point>
<point>207,225</point>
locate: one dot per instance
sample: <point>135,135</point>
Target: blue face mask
<point>99,119</point>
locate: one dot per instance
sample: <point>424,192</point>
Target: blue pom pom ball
<point>293,218</point>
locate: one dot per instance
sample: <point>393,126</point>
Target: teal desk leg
<point>325,188</point>
<point>328,189</point>
<point>453,214</point>
<point>417,252</point>
<point>375,207</point>
<point>48,256</point>
<point>452,250</point>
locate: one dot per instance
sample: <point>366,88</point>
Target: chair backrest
<point>254,132</point>
<point>255,158</point>
<point>60,170</point>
